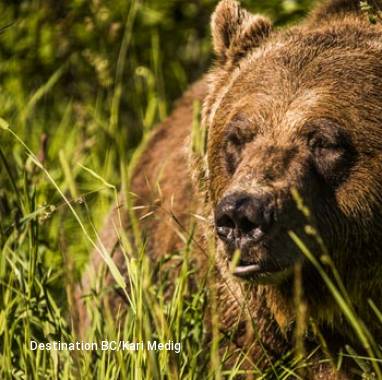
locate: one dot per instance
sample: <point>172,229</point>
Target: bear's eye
<point>331,150</point>
<point>319,144</point>
<point>233,147</point>
<point>239,131</point>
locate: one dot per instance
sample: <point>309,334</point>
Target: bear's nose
<point>242,219</point>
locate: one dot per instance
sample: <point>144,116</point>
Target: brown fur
<point>276,89</point>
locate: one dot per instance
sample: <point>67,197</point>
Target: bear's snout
<point>243,219</point>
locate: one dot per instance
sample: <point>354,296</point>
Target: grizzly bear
<point>289,184</point>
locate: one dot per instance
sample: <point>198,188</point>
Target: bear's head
<point>294,117</point>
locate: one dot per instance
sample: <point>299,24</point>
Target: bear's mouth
<point>262,273</point>
<point>270,260</point>
<point>246,270</point>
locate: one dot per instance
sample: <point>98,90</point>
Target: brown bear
<point>289,184</point>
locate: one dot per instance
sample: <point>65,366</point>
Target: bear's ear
<point>235,31</point>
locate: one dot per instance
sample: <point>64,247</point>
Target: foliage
<point>81,84</point>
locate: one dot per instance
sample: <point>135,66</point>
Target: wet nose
<point>242,219</point>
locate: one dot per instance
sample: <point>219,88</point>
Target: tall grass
<point>33,306</point>
<point>78,103</point>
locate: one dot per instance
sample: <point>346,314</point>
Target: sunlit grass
<point>35,307</point>
<point>63,163</point>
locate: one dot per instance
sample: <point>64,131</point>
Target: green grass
<point>81,87</point>
<point>37,286</point>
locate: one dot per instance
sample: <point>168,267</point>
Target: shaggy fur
<point>296,110</point>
